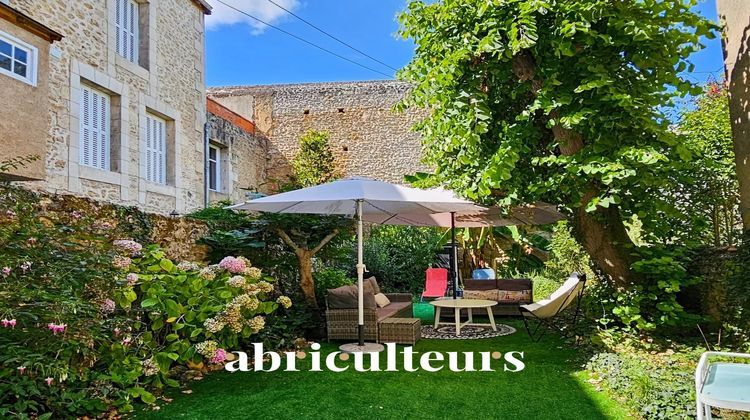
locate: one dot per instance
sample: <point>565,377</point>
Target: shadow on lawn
<point>550,387</point>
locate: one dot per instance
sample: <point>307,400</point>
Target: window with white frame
<point>156,149</point>
<point>95,134</point>
<point>214,168</point>
<point>126,24</point>
<point>17,59</point>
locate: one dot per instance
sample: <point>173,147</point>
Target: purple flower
<point>108,306</point>
<point>132,279</point>
<point>219,356</point>
<point>132,247</point>
<point>233,265</point>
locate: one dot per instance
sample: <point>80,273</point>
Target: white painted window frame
<point>217,173</point>
<point>32,54</point>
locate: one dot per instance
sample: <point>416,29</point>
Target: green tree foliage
<point>314,164</point>
<point>706,193</point>
<point>560,101</point>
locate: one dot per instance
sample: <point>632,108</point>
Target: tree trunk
<point>602,232</point>
<point>306,282</point>
<point>735,14</point>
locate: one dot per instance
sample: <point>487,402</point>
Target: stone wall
<point>244,154</point>
<point>168,81</point>
<point>368,138</point>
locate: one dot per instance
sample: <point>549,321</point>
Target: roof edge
<point>24,21</point>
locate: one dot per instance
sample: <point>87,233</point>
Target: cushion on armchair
<point>374,284</point>
<point>346,297</point>
<point>514,296</point>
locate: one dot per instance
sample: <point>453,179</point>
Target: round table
<point>457,305</point>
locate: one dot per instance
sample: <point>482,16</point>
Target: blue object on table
<point>483,274</point>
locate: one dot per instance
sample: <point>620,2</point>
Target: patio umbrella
<point>375,201</point>
<point>538,213</point>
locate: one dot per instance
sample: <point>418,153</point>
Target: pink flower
<point>49,381</point>
<point>233,265</point>
<point>26,266</point>
<point>21,369</point>
<point>108,306</point>
<point>56,328</point>
<point>121,262</point>
<point>6,271</point>
<point>76,215</point>
<point>219,356</point>
<point>126,341</point>
<point>10,213</point>
<point>8,323</point>
<point>132,247</point>
<point>117,332</point>
<point>132,279</point>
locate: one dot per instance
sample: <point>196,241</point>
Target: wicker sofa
<point>341,318</point>
<point>508,293</point>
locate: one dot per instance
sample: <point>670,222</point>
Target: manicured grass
<point>550,387</point>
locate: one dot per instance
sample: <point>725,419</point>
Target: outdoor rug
<point>469,332</point>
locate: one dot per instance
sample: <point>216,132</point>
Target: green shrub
<point>656,392</point>
<point>399,255</point>
<point>330,278</point>
<point>566,254</point>
<point>92,322</point>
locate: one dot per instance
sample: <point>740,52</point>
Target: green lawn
<point>551,387</point>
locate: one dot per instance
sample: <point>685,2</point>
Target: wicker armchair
<point>342,323</point>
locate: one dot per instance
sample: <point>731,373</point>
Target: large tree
<point>559,100</point>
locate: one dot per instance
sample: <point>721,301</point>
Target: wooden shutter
<point>94,133</point>
<point>126,24</point>
<point>156,149</point>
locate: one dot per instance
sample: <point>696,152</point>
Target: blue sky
<point>242,52</point>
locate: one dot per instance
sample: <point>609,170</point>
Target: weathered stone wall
<point>245,154</point>
<point>169,81</point>
<point>710,297</point>
<point>368,138</point>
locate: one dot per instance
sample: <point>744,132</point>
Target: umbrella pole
<point>454,263</point>
<point>360,277</point>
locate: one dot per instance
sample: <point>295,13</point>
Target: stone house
<point>367,136</point>
<point>115,106</point>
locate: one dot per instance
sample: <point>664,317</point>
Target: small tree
<point>306,235</point>
<point>314,163</point>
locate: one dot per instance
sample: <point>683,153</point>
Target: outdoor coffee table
<point>457,305</point>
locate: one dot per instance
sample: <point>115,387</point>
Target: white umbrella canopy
<point>377,201</point>
<point>381,201</point>
<point>538,213</point>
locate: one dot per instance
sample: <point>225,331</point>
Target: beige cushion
<point>374,283</point>
<point>481,294</point>
<point>382,300</point>
<point>391,310</point>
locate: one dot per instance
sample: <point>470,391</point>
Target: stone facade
<point>368,138</point>
<point>244,154</point>
<point>168,81</point>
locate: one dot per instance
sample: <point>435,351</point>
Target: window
<point>95,128</point>
<point>214,168</point>
<point>17,59</point>
<point>126,24</point>
<point>156,149</point>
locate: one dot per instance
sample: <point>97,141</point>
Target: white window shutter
<point>95,131</point>
<point>126,24</point>
<point>156,149</point>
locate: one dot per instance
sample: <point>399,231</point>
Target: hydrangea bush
<point>92,321</point>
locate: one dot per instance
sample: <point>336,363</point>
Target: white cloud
<point>262,9</point>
